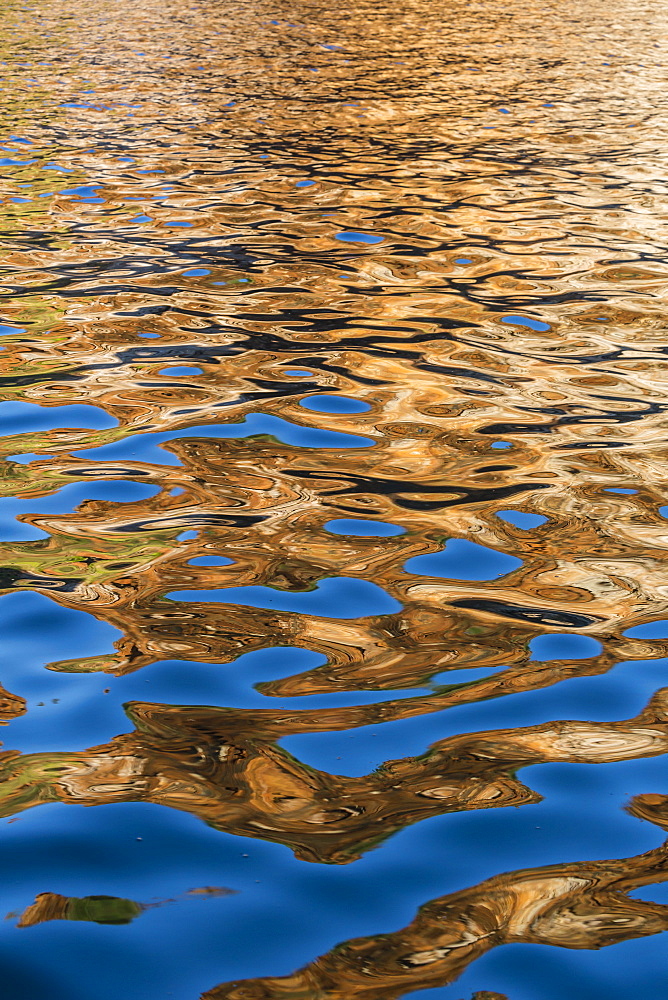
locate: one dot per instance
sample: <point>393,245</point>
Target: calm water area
<point>334,506</point>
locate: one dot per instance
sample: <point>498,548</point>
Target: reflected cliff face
<point>337,330</point>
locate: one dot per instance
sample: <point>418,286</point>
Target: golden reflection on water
<point>176,181</point>
<point>577,905</point>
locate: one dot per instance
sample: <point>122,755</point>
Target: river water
<point>335,515</point>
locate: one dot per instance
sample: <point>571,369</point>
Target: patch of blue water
<point>527,971</point>
<point>363,528</point>
<point>334,404</point>
<point>334,597</point>
<point>140,447</point>
<point>37,631</point>
<point>143,445</point>
<point>210,561</point>
<point>650,630</point>
<point>83,191</point>
<point>177,370</point>
<point>463,675</point>
<point>268,929</point>
<point>354,237</point>
<point>657,893</point>
<point>463,560</point>
<point>26,458</point>
<point>528,321</point>
<point>17,417</point>
<point>521,519</point>
<point>564,646</point>
<point>356,752</point>
<point>6,161</point>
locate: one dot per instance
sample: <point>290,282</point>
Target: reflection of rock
<point>576,905</point>
<point>98,909</point>
<point>224,766</point>
<point>11,706</point>
<point>651,807</point>
<point>101,909</point>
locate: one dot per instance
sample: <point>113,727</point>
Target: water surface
<point>333,416</point>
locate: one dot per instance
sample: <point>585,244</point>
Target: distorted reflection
<point>224,766</point>
<point>333,340</point>
<point>576,905</point>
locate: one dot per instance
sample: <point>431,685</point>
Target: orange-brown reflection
<point>265,506</point>
<point>11,706</point>
<point>574,905</point>
<point>223,765</point>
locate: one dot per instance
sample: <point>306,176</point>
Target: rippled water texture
<point>335,519</point>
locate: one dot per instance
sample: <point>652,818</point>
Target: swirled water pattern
<point>333,417</point>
